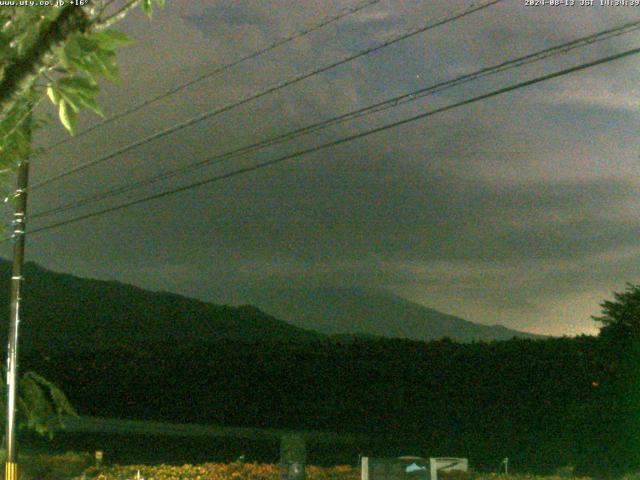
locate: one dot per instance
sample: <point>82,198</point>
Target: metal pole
<point>19,225</point>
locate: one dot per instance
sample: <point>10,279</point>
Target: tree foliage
<point>621,317</point>
<point>60,53</point>
<point>620,353</point>
<point>41,404</point>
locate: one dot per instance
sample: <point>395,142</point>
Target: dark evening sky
<point>521,210</point>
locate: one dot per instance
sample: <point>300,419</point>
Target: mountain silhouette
<point>69,312</point>
<point>356,311</point>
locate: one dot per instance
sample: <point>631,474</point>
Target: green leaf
<point>160,3</point>
<point>107,62</point>
<point>53,94</point>
<point>60,401</point>
<point>112,39</point>
<point>91,104</point>
<point>80,92</point>
<point>87,43</point>
<point>72,53</point>
<point>89,64</point>
<point>72,48</point>
<point>81,84</point>
<point>68,117</point>
<point>147,7</point>
<point>100,62</point>
<point>72,99</point>
<point>42,405</point>
<point>61,54</point>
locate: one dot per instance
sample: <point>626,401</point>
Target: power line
<point>270,90</point>
<point>222,68</point>
<point>334,143</point>
<point>378,107</point>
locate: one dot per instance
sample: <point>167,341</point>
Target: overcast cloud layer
<point>521,210</point>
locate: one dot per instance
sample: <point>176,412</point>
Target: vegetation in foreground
<point>78,466</point>
<point>216,471</point>
<point>257,471</point>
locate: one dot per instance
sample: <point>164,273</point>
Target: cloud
<point>229,13</point>
<point>375,17</point>
<point>607,94</point>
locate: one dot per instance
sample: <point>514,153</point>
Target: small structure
<point>410,468</point>
<point>293,456</point>
<point>402,468</point>
<point>447,464</point>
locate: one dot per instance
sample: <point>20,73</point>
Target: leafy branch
<point>71,48</point>
<point>41,404</point>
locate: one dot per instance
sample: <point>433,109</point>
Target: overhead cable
<point>340,141</point>
<point>280,86</point>
<point>375,108</point>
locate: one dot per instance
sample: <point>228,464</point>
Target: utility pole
<point>19,226</point>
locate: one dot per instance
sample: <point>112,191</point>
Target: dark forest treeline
<point>542,403</point>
